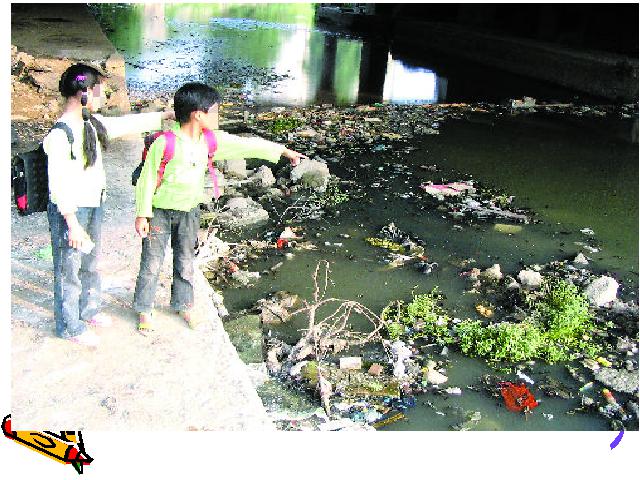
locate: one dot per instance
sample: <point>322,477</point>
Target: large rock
<point>530,279</point>
<point>581,259</point>
<point>264,177</point>
<point>432,375</point>
<point>235,168</point>
<point>211,248</point>
<point>242,211</point>
<point>311,174</point>
<point>602,291</point>
<point>619,380</point>
<point>492,273</point>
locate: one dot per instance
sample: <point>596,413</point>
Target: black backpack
<point>30,178</point>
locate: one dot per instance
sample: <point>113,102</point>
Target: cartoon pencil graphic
<point>64,447</point>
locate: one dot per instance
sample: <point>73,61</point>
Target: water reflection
<point>291,60</point>
<point>405,84</point>
<point>154,26</point>
<point>168,44</point>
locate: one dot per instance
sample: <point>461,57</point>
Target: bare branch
<point>334,328</point>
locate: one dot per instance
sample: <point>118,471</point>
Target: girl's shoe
<point>145,325</point>
<point>86,338</point>
<point>100,320</point>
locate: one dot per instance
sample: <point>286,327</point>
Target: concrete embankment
<point>614,77</point>
<point>177,379</point>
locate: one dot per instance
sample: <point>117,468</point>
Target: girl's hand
<point>77,234</point>
<point>293,156</point>
<point>142,226</point>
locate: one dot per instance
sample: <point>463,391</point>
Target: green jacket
<point>182,186</point>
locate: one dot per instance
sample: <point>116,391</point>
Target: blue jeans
<point>182,228</point>
<point>76,282</point>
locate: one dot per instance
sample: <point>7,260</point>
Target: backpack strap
<point>63,126</point>
<point>167,155</point>
<point>212,145</point>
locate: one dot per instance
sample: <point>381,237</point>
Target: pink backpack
<point>169,151</point>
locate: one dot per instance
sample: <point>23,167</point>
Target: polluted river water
<point>574,172</point>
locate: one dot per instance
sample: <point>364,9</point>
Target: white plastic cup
<point>86,246</point>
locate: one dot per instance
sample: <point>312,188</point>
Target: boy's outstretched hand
<point>142,226</point>
<point>293,156</point>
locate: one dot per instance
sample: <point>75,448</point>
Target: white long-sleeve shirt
<point>70,184</point>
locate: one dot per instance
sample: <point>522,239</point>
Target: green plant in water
<point>568,322</point>
<point>284,124</point>
<point>395,330</point>
<point>565,310</point>
<point>558,329</point>
<point>506,341</point>
<point>422,317</point>
<point>333,195</point>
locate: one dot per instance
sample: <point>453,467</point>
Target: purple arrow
<point>616,441</point>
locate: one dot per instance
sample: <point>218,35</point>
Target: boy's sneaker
<point>86,338</point>
<point>191,320</point>
<point>100,320</point>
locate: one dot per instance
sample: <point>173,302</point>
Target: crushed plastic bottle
<point>612,407</point>
<point>524,377</point>
<point>585,387</point>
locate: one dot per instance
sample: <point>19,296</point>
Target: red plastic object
<point>281,243</point>
<point>517,397</point>
<point>22,202</point>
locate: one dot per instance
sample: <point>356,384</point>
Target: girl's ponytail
<point>77,78</point>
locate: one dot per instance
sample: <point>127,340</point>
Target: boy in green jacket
<point>171,210</point>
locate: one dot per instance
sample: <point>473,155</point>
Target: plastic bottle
<point>609,397</point>
<point>586,387</point>
<point>612,401</point>
<point>86,246</point>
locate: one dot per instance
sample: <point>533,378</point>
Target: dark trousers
<point>76,282</point>
<point>182,228</point>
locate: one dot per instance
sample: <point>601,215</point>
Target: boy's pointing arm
<point>233,146</point>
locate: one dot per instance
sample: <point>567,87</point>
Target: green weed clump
<point>333,195</point>
<point>568,323</point>
<point>558,329</point>
<point>283,124</point>
<point>506,341</point>
<point>424,317</point>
